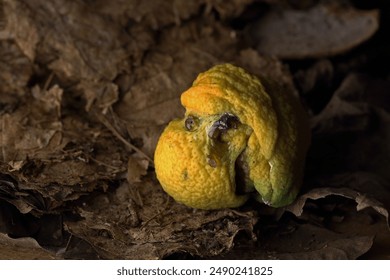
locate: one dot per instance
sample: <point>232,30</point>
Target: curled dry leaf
<point>322,30</point>
<point>362,200</point>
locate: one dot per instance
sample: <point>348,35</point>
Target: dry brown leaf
<point>117,227</point>
<point>23,249</point>
<point>362,200</point>
<point>323,30</point>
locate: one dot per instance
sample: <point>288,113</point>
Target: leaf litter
<point>86,89</point>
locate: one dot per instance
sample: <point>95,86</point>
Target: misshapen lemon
<point>236,136</point>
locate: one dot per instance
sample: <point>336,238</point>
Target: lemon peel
<point>240,136</point>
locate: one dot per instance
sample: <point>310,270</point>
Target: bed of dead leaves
<point>86,87</point>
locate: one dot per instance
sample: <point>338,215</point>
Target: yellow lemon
<point>240,136</point>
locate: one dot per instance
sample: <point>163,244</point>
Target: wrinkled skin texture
<point>232,122</point>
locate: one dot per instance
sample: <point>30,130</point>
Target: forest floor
<point>86,87</point>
